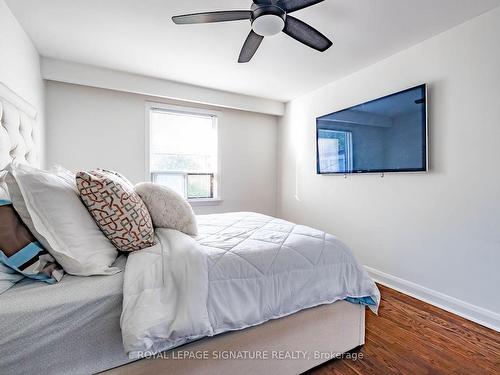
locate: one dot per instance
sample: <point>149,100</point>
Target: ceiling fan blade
<point>293,5</point>
<point>250,46</point>
<point>208,17</point>
<point>306,34</point>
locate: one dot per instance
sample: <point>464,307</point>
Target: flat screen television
<point>380,136</point>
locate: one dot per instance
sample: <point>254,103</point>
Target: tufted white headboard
<point>19,137</point>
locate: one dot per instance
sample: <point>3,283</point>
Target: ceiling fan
<point>268,17</point>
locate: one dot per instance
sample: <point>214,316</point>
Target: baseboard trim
<point>466,310</point>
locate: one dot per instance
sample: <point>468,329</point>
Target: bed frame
<point>327,330</point>
<point>313,336</point>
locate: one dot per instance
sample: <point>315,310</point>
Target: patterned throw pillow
<point>117,209</point>
<point>21,252</point>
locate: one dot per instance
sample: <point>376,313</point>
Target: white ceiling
<point>138,36</point>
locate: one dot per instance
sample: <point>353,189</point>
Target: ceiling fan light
<point>268,25</point>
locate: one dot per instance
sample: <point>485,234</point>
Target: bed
<point>90,324</point>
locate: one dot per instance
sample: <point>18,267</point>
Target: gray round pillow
<point>167,208</point>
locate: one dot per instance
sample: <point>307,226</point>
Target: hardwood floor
<point>412,337</point>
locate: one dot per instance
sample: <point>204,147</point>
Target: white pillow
<point>68,176</point>
<point>56,216</point>
<point>167,208</point>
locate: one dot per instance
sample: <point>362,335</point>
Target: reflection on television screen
<point>384,135</point>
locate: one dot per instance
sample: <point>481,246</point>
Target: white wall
<point>91,127</point>
<point>440,230</point>
<point>20,66</point>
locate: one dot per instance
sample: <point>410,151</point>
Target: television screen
<point>384,135</point>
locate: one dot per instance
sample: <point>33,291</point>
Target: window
<point>183,150</point>
<point>335,151</point>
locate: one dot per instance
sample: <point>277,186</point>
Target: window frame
<point>186,176</point>
<point>216,115</point>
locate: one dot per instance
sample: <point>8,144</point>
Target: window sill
<point>205,202</point>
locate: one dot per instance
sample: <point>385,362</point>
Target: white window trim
<point>188,110</point>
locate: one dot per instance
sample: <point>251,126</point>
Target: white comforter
<point>241,270</point>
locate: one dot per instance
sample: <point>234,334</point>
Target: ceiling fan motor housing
<point>268,20</point>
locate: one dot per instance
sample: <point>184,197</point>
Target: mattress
<point>71,327</point>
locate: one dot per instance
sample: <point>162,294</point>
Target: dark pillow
<point>20,251</point>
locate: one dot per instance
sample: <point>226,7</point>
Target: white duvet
<point>241,270</point>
